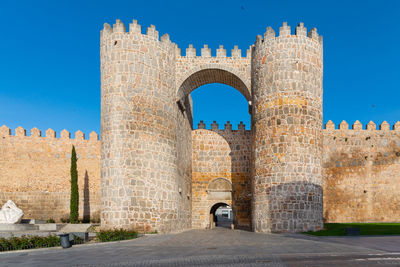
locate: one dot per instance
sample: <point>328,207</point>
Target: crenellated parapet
<point>357,126</point>
<point>241,128</point>
<point>286,32</point>
<point>119,43</point>
<point>50,134</point>
<point>220,52</point>
<point>366,139</point>
<point>118,46</point>
<point>119,31</point>
<point>5,131</point>
<point>233,70</point>
<point>301,52</point>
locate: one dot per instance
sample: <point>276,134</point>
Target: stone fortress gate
<point>152,171</point>
<point>157,173</point>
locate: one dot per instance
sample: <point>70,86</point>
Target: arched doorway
<point>221,215</point>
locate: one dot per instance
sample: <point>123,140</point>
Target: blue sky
<point>50,67</point>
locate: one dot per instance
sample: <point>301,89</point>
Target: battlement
<point>151,32</point>
<point>227,127</point>
<point>20,132</point>
<point>371,126</point>
<point>205,52</point>
<point>134,28</point>
<point>285,32</point>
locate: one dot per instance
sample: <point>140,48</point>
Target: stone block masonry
<point>361,173</point>
<point>221,154</point>
<point>35,172</point>
<point>146,83</point>
<point>146,143</point>
<point>154,173</point>
<point>287,131</point>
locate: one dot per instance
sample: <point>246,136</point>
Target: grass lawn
<point>337,229</point>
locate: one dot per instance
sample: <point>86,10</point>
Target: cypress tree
<point>74,204</point>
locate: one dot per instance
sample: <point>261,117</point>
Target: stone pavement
<point>219,247</point>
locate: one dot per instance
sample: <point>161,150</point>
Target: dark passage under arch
<point>221,215</point>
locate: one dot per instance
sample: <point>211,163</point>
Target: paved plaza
<point>219,247</point>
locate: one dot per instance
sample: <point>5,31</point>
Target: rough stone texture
<point>146,142</point>
<point>193,71</point>
<point>10,213</point>
<point>287,131</point>
<point>147,121</point>
<point>158,174</point>
<point>361,174</point>
<point>35,173</point>
<point>354,161</point>
<point>221,173</point>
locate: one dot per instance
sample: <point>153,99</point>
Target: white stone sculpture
<point>10,213</point>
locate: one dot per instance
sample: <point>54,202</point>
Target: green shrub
<point>51,220</point>
<point>115,235</point>
<point>65,220</point>
<point>28,242</point>
<point>74,204</point>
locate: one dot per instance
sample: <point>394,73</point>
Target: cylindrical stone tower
<point>287,131</point>
<point>143,186</point>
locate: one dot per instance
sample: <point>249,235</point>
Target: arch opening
<point>212,75</point>
<point>221,215</point>
<point>221,98</point>
<point>221,104</point>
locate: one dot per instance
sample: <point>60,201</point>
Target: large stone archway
<point>149,159</point>
<point>206,76</point>
<point>193,71</point>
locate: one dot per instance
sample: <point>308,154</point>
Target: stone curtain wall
<point>35,172</point>
<point>221,154</point>
<point>362,173</point>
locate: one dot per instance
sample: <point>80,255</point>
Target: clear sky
<point>50,67</point>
